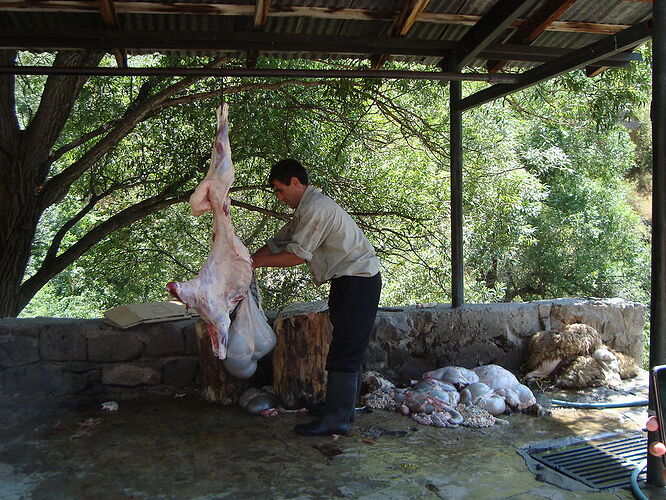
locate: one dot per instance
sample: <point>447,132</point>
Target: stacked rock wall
<point>61,356</point>
<point>409,341</point>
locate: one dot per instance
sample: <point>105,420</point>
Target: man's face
<point>289,194</point>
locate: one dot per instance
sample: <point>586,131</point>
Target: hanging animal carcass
<point>224,282</point>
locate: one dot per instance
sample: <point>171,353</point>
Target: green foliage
<point>545,198</point>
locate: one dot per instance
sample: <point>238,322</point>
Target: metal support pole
<point>657,306</point>
<point>457,288</point>
<point>252,72</point>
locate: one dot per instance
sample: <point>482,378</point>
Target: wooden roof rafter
<point>203,8</point>
<point>596,69</point>
<point>534,27</point>
<point>262,26</point>
<point>592,71</point>
<point>261,9</point>
<point>110,18</point>
<point>485,31</point>
<point>585,56</point>
<point>401,26</point>
<point>96,39</point>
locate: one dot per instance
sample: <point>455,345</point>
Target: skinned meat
<point>226,276</point>
<point>433,397</point>
<point>479,394</point>
<point>516,395</point>
<point>453,395</point>
<point>455,375</point>
<point>429,396</point>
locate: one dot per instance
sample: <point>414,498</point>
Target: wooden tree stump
<point>303,334</point>
<point>217,385</point>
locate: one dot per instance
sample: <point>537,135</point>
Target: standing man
<point>324,236</point>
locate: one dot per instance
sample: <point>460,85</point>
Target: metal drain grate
<point>600,463</point>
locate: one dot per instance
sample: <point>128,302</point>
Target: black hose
<point>635,489</point>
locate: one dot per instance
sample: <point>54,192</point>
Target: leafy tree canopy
<point>545,199</point>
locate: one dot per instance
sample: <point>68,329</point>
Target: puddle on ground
<point>185,448</point>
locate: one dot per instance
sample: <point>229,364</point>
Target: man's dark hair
<point>284,170</point>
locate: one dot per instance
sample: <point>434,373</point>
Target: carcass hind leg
<point>213,338</point>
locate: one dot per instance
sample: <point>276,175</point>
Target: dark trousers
<point>352,303</point>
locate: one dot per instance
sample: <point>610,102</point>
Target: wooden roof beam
<point>585,56</point>
<point>535,25</point>
<point>411,10</point>
<point>261,9</point>
<point>486,30</point>
<point>600,67</point>
<point>533,53</point>
<point>408,16</point>
<point>110,18</point>
<point>97,39</point>
<point>592,71</point>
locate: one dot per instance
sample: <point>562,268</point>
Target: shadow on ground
<point>164,446</point>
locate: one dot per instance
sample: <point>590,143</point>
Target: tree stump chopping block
<point>217,385</point>
<point>304,333</point>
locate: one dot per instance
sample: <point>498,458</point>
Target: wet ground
<point>174,446</point>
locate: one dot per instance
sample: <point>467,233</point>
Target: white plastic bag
<point>250,337</point>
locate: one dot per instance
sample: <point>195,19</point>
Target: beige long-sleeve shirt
<point>327,238</point>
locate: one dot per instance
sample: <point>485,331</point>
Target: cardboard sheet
<point>129,315</point>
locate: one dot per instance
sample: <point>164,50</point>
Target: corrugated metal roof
<point>360,19</point>
<point>610,11</point>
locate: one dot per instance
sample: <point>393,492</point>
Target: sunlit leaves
<point>545,210</point>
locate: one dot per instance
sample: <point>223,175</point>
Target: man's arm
<point>264,258</point>
<point>262,251</point>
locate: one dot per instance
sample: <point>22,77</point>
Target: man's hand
<point>256,256</point>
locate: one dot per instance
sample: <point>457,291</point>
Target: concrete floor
<point>169,447</point>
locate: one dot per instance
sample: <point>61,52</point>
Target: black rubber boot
<point>317,410</point>
<point>340,400</point>
<point>357,401</point>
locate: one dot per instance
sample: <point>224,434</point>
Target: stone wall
<point>409,341</point>
<point>61,356</point>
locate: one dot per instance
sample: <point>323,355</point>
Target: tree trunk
<point>19,221</point>
<point>19,213</point>
<point>17,228</point>
<point>24,166</point>
<point>217,386</point>
<point>304,332</point>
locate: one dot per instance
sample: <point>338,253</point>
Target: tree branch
<point>272,213</point>
<point>165,254</point>
<point>386,214</point>
<point>50,268</point>
<point>56,188</point>
<point>240,88</point>
<point>55,155</point>
<point>58,237</point>
<point>156,248</point>
<point>142,96</point>
<point>58,98</point>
